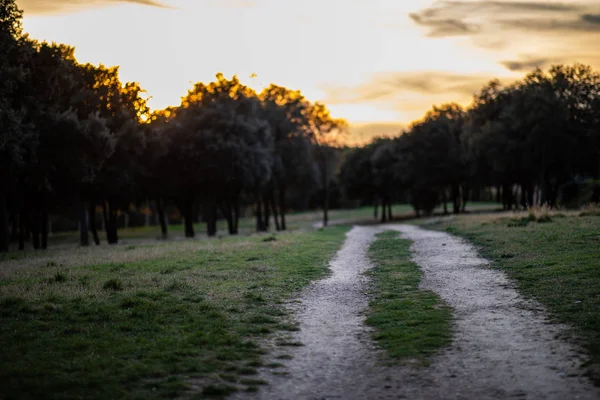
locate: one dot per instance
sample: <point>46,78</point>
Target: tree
<point>384,175</point>
<point>158,172</point>
<point>356,174</point>
<point>325,132</point>
<point>286,112</point>
<point>220,133</point>
<point>123,107</point>
<point>12,140</point>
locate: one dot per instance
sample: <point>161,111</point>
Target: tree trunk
<point>21,219</point>
<point>552,195</point>
<point>455,194</point>
<point>44,221</point>
<point>274,208</point>
<point>476,193</point>
<point>111,225</point>
<point>375,207</point>
<point>83,226</point>
<point>383,213</point>
<point>282,207</point>
<point>105,219</point>
<point>260,225</point>
<point>160,208</point>
<point>523,197</point>
<point>188,217</point>
<point>389,210</point>
<point>267,212</point>
<point>236,214</point>
<point>14,222</point>
<point>507,196</point>
<point>4,235</point>
<point>92,217</point>
<point>445,201</point>
<point>465,197</point>
<point>211,218</point>
<point>227,209</point>
<point>189,224</point>
<point>325,195</point>
<point>34,223</point>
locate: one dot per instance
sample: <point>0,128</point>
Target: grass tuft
<point>113,284</point>
<point>590,210</point>
<point>540,214</point>
<point>59,277</point>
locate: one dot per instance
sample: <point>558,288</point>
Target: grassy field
<point>555,260</point>
<point>172,319</point>
<point>410,324</point>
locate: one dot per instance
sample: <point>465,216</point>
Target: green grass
<point>170,320</point>
<point>410,324</point>
<point>555,260</point>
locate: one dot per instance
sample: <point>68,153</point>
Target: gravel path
<point>503,348</point>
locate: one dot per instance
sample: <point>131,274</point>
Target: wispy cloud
<point>57,6</point>
<point>500,25</point>
<point>445,26</point>
<point>528,63</point>
<point>449,18</point>
<point>396,85</point>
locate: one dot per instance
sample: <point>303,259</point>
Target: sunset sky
<point>377,63</point>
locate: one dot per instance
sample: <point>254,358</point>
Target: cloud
<point>445,27</point>
<point>396,85</point>
<point>591,18</point>
<point>405,94</point>
<point>451,18</point>
<point>583,24</point>
<point>59,6</point>
<point>548,32</point>
<point>527,64</point>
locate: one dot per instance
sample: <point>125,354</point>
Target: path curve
<point>503,346</point>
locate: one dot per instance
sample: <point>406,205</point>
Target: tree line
<point>73,136</point>
<point>536,141</point>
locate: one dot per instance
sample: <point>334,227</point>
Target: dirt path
<point>503,347</point>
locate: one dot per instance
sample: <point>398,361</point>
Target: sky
<point>379,64</point>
